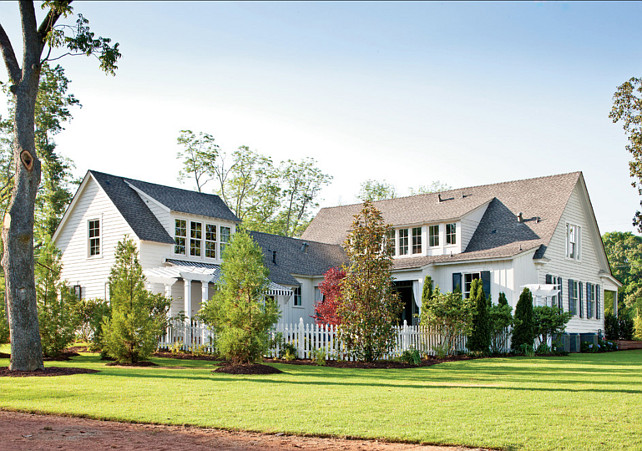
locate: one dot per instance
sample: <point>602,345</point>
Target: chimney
<point>304,248</point>
<point>520,217</point>
<point>274,257</point>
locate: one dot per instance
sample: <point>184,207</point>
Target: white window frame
<point>448,235</point>
<point>574,298</point>
<point>430,236</point>
<point>99,238</point>
<point>407,239</point>
<point>297,295</point>
<point>185,237</point>
<point>206,241</point>
<point>412,240</point>
<point>577,237</point>
<point>466,285</point>
<point>222,244</point>
<point>199,239</point>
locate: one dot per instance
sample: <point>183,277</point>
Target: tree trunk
<point>17,232</point>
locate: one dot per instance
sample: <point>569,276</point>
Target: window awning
<point>542,290</point>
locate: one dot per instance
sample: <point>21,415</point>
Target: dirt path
<point>22,432</point>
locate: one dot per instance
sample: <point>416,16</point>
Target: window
<point>556,300</point>
<point>297,297</point>
<point>590,300</point>
<point>451,233</point>
<point>573,237</point>
<point>225,237</point>
<point>572,296</point>
<point>468,281</point>
<point>210,240</point>
<point>94,237</point>
<point>390,241</point>
<point>195,238</point>
<point>403,241</point>
<point>416,240</point>
<point>433,235</point>
<point>318,296</point>
<point>180,236</point>
<point>77,291</point>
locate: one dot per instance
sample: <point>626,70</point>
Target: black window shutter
<point>590,296</point>
<point>560,284</point>
<point>549,279</point>
<point>581,299</point>
<point>571,307</point>
<point>485,277</point>
<point>457,281</point>
<point>597,301</point>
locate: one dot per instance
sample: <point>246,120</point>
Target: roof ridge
<point>459,189</point>
<point>295,238</point>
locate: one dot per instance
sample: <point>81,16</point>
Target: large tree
<point>624,250</point>
<point>370,306</point>
<point>41,43</point>
<point>372,190</point>
<point>627,108</point>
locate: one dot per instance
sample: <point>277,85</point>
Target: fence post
<point>299,341</point>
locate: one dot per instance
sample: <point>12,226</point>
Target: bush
<point>411,357</point>
<point>480,333</point>
<point>138,317</point>
<point>239,312</point>
<point>92,313</point>
<point>501,318</point>
<point>319,357</point>
<point>523,332</point>
<point>637,327</point>
<point>625,328</point>
<point>611,329</point>
<point>450,315</point>
<point>549,322</point>
<point>57,304</point>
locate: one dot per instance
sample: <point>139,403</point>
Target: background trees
<point>370,306</point>
<point>240,312</point>
<point>39,45</point>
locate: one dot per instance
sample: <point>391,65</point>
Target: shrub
<point>501,318</point>
<point>319,357</point>
<point>138,317</point>
<point>91,313</point>
<point>523,332</point>
<point>239,312</point>
<point>326,310</point>
<point>450,315</point>
<point>479,337</point>
<point>289,352</point>
<point>57,304</point>
<point>549,321</point>
<point>411,357</point>
<point>543,349</point>
<point>637,327</point>
<point>625,328</point>
<point>370,307</point>
<point>611,329</point>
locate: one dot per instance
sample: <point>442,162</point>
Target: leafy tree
<point>57,304</point>
<point>325,311</point>
<point>138,317</point>
<point>524,330</point>
<point>198,157</point>
<point>427,291</point>
<point>239,311</point>
<point>624,251</point>
<point>549,321</point>
<point>372,190</point>
<point>370,306</point>
<point>480,333</point>
<point>637,326</point>
<point>91,313</point>
<point>627,108</point>
<point>434,187</point>
<point>40,44</point>
<point>501,318</point>
<point>449,314</point>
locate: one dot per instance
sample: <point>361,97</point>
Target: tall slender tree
<point>41,43</point>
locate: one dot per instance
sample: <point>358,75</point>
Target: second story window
<point>226,232</point>
<point>451,233</point>
<point>390,241</point>
<point>297,297</point>
<point>94,237</point>
<point>433,235</point>
<point>195,237</point>
<point>416,240</point>
<point>573,235</point>
<point>180,236</point>
<point>403,241</point>
<point>210,240</point>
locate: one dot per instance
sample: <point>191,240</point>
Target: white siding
<point>154,254</point>
<point>469,224</point>
<point>586,269</point>
<point>91,273</point>
<point>161,212</point>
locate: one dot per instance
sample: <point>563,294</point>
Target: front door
<point>407,296</point>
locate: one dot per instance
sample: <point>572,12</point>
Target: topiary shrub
<point>501,318</point>
<point>524,331</point>
<point>479,337</point>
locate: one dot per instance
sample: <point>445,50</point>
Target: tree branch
<point>9,57</point>
<point>48,23</point>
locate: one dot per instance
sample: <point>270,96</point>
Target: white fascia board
<point>73,202</point>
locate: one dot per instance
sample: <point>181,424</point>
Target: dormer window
<point>451,233</point>
<point>573,237</point>
<point>226,232</point>
<point>433,235</point>
<point>210,240</point>
<point>94,237</point>
<point>195,237</point>
<point>180,236</point>
<point>416,240</point>
<point>403,241</point>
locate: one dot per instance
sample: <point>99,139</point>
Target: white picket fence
<point>306,338</point>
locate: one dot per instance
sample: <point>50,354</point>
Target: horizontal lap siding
<point>91,273</point>
<point>469,224</point>
<point>586,270</point>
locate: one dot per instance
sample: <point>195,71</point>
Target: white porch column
<point>204,292</point>
<point>187,298</point>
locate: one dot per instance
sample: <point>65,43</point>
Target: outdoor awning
<point>542,290</point>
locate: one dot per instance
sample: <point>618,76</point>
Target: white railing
<point>306,339</point>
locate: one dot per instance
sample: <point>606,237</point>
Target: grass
<point>583,401</point>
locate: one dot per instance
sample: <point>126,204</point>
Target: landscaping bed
<point>48,371</point>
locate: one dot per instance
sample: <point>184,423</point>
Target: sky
<point>407,92</point>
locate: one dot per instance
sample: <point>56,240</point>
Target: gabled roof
<point>541,201</point>
<point>296,256</point>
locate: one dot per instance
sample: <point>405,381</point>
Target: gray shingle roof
<point>498,235</point>
<point>296,256</point>
<point>142,221</point>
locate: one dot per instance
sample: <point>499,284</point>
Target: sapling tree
<point>479,337</point>
<point>370,307</point>
<point>524,330</point>
<point>41,43</point>
<point>501,318</point>
<point>448,314</point>
<point>549,322</point>
<point>240,312</point>
<point>138,317</point>
<point>325,310</point>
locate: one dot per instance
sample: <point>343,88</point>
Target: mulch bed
<point>141,364</point>
<point>51,371</point>
<point>62,357</point>
<point>381,364</point>
<point>250,368</point>
<point>186,356</point>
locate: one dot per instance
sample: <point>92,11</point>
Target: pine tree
<point>479,338</point>
<point>239,311</point>
<point>426,291</point>
<point>370,307</point>
<point>138,317</point>
<point>524,330</point>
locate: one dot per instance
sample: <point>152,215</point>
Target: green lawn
<point>583,401</point>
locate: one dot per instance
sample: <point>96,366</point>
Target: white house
<point>540,233</point>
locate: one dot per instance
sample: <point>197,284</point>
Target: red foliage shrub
<point>325,311</point>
